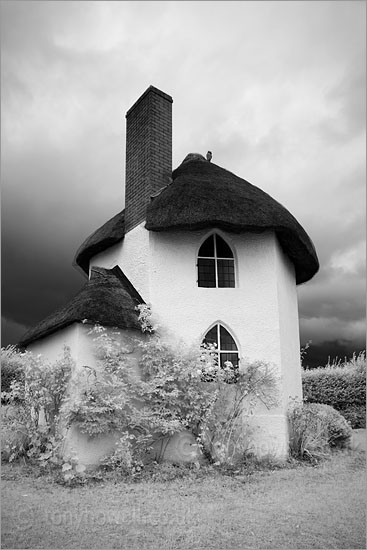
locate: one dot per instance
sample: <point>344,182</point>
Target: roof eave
<point>107,235</point>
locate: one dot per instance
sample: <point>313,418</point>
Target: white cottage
<point>215,256</point>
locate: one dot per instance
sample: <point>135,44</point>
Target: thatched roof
<point>105,236</point>
<point>204,195</point>
<point>108,299</point>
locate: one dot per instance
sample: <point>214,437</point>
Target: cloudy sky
<point>276,90</point>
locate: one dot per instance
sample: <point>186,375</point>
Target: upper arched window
<point>215,263</point>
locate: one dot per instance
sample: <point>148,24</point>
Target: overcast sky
<point>276,90</point>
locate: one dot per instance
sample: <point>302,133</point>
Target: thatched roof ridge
<point>204,195</point>
<point>105,236</point>
<point>108,298</point>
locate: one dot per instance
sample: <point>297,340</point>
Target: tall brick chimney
<point>148,152</point>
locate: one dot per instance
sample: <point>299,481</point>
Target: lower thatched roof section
<point>105,236</point>
<point>204,195</point>
<point>108,299</point>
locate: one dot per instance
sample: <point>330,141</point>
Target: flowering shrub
<point>225,432</point>
<point>34,401</point>
<point>162,395</point>
<point>145,318</point>
<point>163,391</point>
<point>166,393</point>
<point>11,368</point>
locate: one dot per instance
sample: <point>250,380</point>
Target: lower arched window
<point>225,347</point>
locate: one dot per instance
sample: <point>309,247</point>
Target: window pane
<point>226,341</point>
<point>206,272</point>
<point>232,376</point>
<point>207,248</point>
<point>226,273</point>
<point>232,357</point>
<point>211,336</point>
<point>223,250</point>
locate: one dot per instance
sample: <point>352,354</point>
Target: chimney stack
<point>148,152</point>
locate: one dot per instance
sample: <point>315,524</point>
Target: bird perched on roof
<point>209,156</point>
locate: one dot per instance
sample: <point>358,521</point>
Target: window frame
<point>216,234</point>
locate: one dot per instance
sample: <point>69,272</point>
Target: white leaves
<point>45,456</point>
<point>145,318</point>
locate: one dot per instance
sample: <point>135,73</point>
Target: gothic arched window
<point>225,346</point>
<point>215,263</point>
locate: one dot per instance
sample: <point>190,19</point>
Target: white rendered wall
<point>260,312</point>
<point>76,337</point>
<point>289,328</point>
<point>250,310</point>
<point>51,347</point>
<point>132,255</point>
<point>88,450</point>
<point>162,267</point>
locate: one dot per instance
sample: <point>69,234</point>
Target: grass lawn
<point>303,507</point>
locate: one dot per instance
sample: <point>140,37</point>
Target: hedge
<point>341,387</point>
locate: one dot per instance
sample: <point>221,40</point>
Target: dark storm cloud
<point>12,331</point>
<point>331,351</point>
<point>322,302</point>
<point>51,199</point>
<point>45,218</point>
